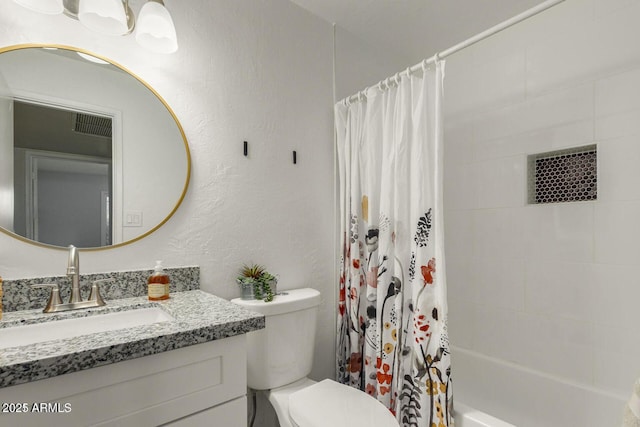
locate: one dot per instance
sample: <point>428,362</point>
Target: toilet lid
<point>329,403</point>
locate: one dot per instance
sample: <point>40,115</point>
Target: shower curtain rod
<point>462,45</point>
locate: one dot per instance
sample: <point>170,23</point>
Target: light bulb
<point>104,16</point>
<point>155,30</point>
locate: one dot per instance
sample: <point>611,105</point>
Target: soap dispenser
<point>158,284</point>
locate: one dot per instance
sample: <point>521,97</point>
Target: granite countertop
<point>199,317</point>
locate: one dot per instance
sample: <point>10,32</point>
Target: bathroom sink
<point>68,328</point>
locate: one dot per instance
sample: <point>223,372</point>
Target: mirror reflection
<point>89,155</point>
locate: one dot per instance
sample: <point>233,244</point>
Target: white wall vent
<point>569,175</point>
<point>92,125</point>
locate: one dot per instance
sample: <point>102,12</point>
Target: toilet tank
<point>282,352</point>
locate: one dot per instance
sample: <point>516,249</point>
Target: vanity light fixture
<point>155,31</point>
<point>111,17</point>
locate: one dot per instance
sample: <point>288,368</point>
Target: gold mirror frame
<point>160,98</point>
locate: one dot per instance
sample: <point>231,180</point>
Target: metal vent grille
<point>92,125</point>
<point>563,176</point>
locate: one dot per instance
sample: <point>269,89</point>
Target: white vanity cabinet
<point>198,385</point>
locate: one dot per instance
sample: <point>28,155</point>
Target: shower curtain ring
<point>396,78</point>
<point>425,65</point>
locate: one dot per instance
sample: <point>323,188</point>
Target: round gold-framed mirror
<point>90,154</point>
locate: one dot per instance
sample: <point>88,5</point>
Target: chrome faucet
<point>75,299</point>
<point>73,271</point>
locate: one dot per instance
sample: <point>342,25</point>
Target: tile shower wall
<point>544,298</point>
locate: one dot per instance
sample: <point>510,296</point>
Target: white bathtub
<point>465,416</point>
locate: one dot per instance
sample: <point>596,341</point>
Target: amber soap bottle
<point>158,284</point>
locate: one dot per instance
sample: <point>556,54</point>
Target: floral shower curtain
<point>392,330</point>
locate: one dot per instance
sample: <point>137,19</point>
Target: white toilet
<point>279,359</point>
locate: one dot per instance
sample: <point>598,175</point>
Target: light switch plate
<point>133,219</point>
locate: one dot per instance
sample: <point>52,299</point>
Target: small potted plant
<point>257,283</point>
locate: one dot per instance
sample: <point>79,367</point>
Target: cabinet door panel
<point>151,390</point>
<point>231,414</point>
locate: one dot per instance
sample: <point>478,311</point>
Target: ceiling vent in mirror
<point>92,125</point>
<point>563,176</point>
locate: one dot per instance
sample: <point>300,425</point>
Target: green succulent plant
<point>252,271</point>
<point>261,280</point>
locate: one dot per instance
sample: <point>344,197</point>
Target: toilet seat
<point>329,403</point>
<point>279,399</point>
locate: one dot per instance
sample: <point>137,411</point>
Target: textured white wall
<point>250,70</point>
<point>543,299</point>
<point>253,70</point>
